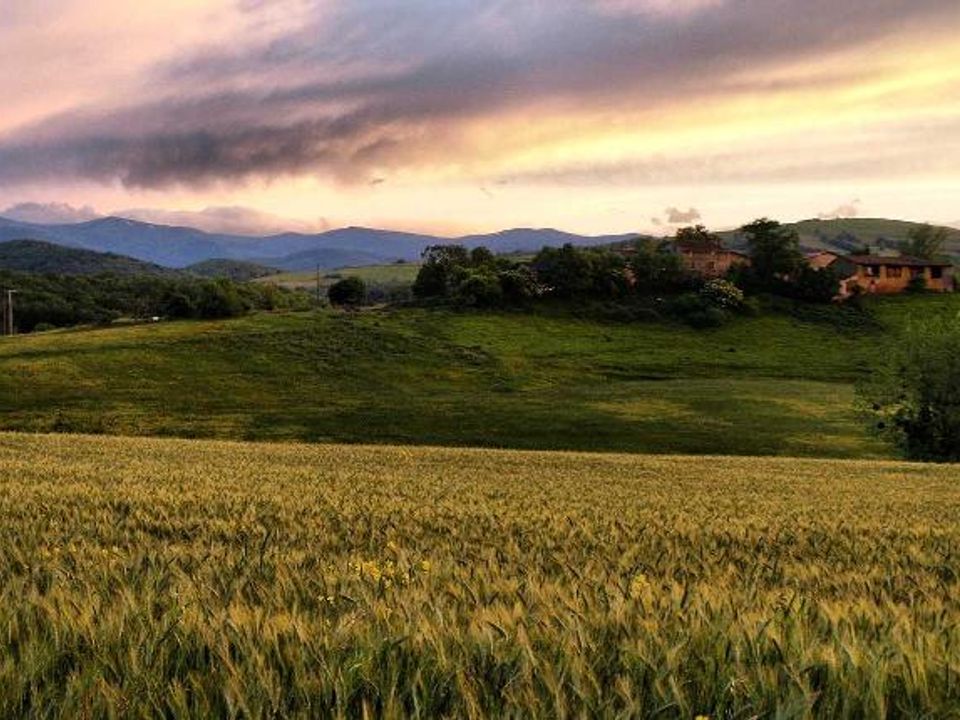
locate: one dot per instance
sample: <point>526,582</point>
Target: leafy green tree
<point>481,257</point>
<point>219,299</point>
<point>815,285</point>
<point>350,291</point>
<point>566,272</point>
<point>656,270</point>
<point>914,400</point>
<point>478,287</point>
<point>774,252</point>
<point>698,237</point>
<point>925,242</point>
<point>518,284</point>
<point>437,275</point>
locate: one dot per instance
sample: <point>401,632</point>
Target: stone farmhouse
<point>708,258</point>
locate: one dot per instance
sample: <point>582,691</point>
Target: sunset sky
<point>593,116</point>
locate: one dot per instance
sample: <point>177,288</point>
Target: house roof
<point>901,261</point>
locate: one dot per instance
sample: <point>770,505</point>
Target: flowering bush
<point>722,294</point>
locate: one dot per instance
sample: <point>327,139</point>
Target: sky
<point>459,116</point>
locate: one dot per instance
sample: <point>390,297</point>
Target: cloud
<point>847,210</point>
<point>675,216</point>
<point>230,220</point>
<point>353,90</point>
<point>671,8</point>
<point>53,213</point>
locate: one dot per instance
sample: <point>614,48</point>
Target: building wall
<point>887,279</point>
<point>712,264</point>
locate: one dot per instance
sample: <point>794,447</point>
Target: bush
<point>914,401</point>
<point>696,311</point>
<point>350,291</point>
<point>709,318</point>
<point>917,285</point>
<point>722,294</point>
<point>815,286</point>
<point>478,288</point>
<point>219,299</point>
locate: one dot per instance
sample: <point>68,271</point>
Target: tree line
<point>643,273</point>
<point>47,301</point>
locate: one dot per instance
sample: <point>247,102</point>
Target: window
<point>936,273</point>
<point>894,271</point>
<point>871,270</point>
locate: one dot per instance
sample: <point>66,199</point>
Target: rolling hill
<point>770,385</point>
<point>180,247</point>
<point>851,234</point>
<point>37,256</point>
<point>239,270</point>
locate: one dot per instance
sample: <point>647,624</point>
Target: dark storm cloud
<point>367,86</point>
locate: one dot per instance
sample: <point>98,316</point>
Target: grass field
<point>167,578</point>
<point>769,385</point>
<point>394,275</point>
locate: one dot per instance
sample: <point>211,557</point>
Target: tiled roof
<point>901,261</point>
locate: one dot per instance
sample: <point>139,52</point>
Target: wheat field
<point>167,578</point>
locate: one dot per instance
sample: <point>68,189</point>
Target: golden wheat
<point>155,578</point>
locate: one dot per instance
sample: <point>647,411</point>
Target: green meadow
<point>768,385</point>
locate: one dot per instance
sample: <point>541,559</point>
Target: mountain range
<point>179,247</point>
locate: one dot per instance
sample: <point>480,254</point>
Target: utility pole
<point>8,312</point>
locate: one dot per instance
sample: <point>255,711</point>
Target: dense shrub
<point>350,291</point>
<point>917,285</point>
<point>478,288</point>
<point>656,271</point>
<point>914,400</point>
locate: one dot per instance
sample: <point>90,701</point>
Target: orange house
<point>885,275</point>
<point>709,259</point>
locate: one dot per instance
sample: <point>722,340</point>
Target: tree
<point>441,264</point>
<point>914,400</point>
<point>219,299</point>
<point>774,251</point>
<point>566,272</point>
<point>349,291</point>
<point>924,241</point>
<point>699,238</point>
<point>815,285</point>
<point>657,270</point>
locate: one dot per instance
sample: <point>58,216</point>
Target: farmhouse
<point>878,274</point>
<point>707,257</point>
<point>883,274</point>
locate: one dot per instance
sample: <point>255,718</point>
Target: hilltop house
<point>707,257</point>
<point>883,274</point>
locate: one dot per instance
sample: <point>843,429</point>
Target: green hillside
<point>390,278</point>
<point>848,234</point>
<point>766,385</point>
<point>239,270</point>
<point>35,256</point>
<point>163,578</point>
